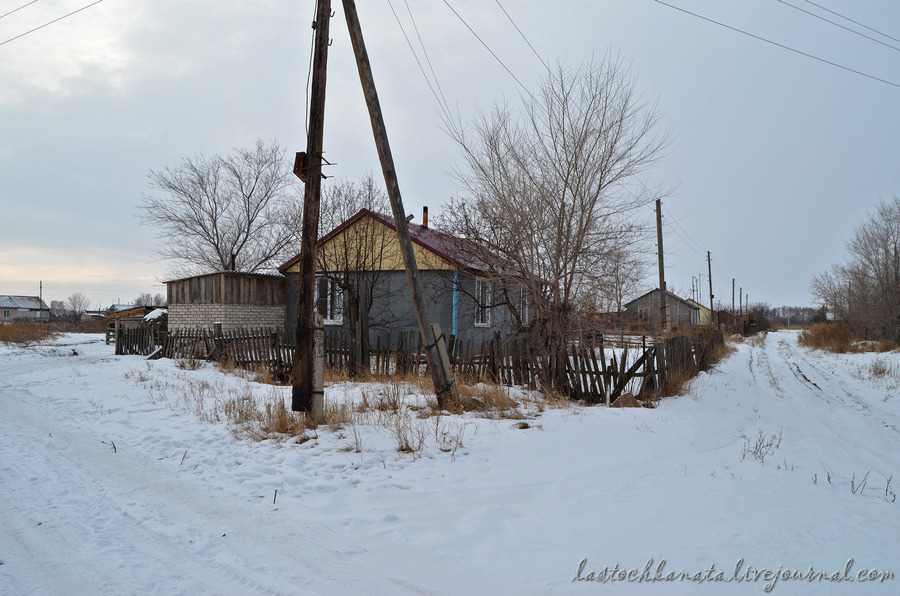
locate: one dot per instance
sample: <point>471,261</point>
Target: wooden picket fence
<point>595,372</point>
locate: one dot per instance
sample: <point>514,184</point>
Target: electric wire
<point>490,51</point>
<point>846,18</point>
<point>428,59</point>
<point>853,31</point>
<point>544,62</point>
<point>779,45</point>
<point>17,9</point>
<point>312,45</point>
<point>412,49</point>
<point>50,22</point>
<point>687,240</point>
<point>437,83</point>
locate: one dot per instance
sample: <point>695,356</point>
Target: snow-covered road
<point>111,482</point>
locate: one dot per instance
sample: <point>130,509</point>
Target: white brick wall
<point>232,316</point>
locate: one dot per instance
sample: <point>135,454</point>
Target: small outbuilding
<point>644,311</point>
<point>232,298</point>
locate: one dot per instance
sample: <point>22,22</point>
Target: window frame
<point>334,300</point>
<point>483,302</point>
<point>524,306</point>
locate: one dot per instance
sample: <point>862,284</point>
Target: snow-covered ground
<point>113,480</point>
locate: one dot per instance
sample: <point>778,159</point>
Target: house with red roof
<point>362,288</point>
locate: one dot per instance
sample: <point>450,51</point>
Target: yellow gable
<point>369,245</point>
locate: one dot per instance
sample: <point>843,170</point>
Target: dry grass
<point>492,400</point>
<point>25,333</point>
<point>188,363</point>
<point>268,418</point>
<point>676,383</point>
<point>833,337</point>
<point>720,352</point>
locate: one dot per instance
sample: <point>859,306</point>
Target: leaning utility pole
<point>663,323</point>
<point>305,396</point>
<point>435,347</point>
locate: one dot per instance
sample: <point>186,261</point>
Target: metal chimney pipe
<point>425,216</point>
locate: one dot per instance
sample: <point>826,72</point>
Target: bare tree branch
<point>550,191</point>
<point>208,208</point>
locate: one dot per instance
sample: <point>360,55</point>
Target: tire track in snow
<point>829,403</point>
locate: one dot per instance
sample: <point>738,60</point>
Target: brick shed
<point>237,300</point>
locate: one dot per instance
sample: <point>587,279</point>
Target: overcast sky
<point>775,157</point>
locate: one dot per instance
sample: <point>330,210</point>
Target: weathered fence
<point>138,341</point>
<point>596,372</point>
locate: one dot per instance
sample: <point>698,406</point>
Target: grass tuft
<point>486,399</point>
<point>833,337</point>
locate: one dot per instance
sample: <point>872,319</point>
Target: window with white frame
<point>329,301</point>
<point>524,305</point>
<point>483,303</point>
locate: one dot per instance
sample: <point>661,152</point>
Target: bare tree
<point>221,213</point>
<point>78,303</point>
<point>58,308</point>
<point>551,191</point>
<point>864,292</point>
<point>148,299</point>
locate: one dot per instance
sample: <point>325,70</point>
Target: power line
<point>497,58</point>
<point>312,43</point>
<point>775,43</point>
<point>17,9</point>
<point>50,22</point>
<point>442,102</point>
<point>547,66</point>
<point>437,83</point>
<point>837,14</point>
<point>853,31</point>
<point>687,237</point>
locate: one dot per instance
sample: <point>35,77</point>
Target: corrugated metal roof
<point>29,302</point>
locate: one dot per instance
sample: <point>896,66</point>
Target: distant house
<point>644,310</point>
<point>234,299</point>
<point>702,315</point>
<point>24,308</point>
<point>361,276</point>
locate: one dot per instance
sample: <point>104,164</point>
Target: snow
<point>155,314</point>
<point>117,479</point>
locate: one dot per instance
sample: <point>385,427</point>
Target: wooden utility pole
<point>663,323</point>
<point>732,297</point>
<point>435,346</point>
<point>305,395</point>
<point>714,318</point>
